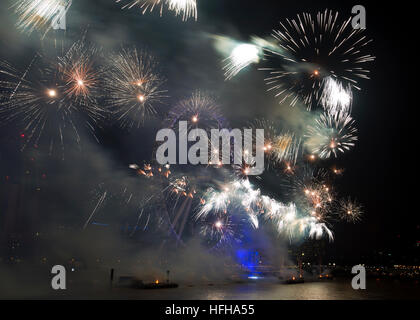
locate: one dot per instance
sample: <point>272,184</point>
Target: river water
<point>339,289</point>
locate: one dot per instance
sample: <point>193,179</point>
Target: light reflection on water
<point>323,290</point>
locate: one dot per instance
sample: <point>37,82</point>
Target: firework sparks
<point>240,198</point>
<point>280,146</point>
<point>311,49</point>
<point>145,5</point>
<point>185,8</point>
<point>200,110</point>
<point>53,95</point>
<point>220,231</point>
<point>332,133</point>
<point>286,148</point>
<point>39,14</point>
<point>133,87</point>
<point>241,57</point>
<point>335,97</point>
<point>310,190</point>
<point>350,210</point>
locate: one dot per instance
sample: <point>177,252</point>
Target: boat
<point>159,285</point>
<point>294,280</point>
<point>133,282</point>
<point>325,277</point>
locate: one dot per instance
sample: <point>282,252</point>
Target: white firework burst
<point>331,134</point>
<point>310,48</point>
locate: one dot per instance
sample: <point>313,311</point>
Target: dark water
<point>328,290</point>
<point>29,284</point>
<point>339,289</point>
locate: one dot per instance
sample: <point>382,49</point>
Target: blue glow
<point>249,260</point>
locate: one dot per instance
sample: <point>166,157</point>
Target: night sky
<point>373,169</point>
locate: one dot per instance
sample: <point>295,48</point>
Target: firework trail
<point>307,49</point>
<point>139,202</point>
<point>185,8</point>
<point>97,206</point>
<point>335,97</point>
<point>133,86</point>
<point>54,96</point>
<point>332,133</point>
<point>39,14</point>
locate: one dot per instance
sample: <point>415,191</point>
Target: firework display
<point>54,97</point>
<point>312,48</point>
<point>133,86</point>
<point>314,61</point>
<point>331,134</point>
<point>310,59</point>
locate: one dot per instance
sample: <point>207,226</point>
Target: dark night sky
<point>374,168</point>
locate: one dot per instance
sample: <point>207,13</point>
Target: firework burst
<point>133,87</point>
<point>349,210</point>
<point>241,57</point>
<point>54,96</point>
<point>184,8</point>
<point>219,231</point>
<point>200,110</point>
<point>331,134</point>
<point>312,48</point>
<point>312,192</point>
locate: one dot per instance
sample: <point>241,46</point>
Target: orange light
<point>194,119</point>
<point>157,281</point>
<point>52,93</point>
<point>316,73</point>
<point>141,98</point>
